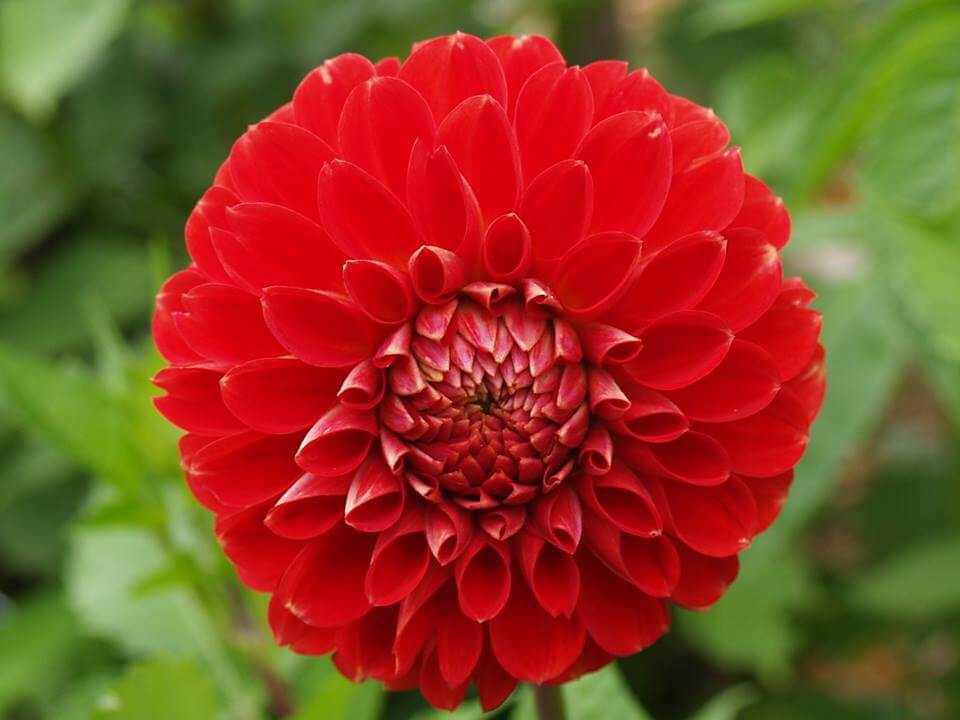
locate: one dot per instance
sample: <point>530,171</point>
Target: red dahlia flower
<point>485,361</point>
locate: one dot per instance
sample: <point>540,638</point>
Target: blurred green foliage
<point>114,114</point>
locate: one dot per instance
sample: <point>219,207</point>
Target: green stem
<point>549,702</point>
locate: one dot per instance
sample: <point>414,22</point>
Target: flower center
<point>483,406</point>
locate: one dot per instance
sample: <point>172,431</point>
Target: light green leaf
<point>327,695</point>
<point>920,583</point>
<point>597,696</point>
<point>727,704</point>
<point>35,191</point>
<point>714,17</point>
<point>36,640</point>
<point>47,45</point>
<point>159,690</point>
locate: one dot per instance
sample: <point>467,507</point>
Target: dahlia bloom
<point>484,362</point>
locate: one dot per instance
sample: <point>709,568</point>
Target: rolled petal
<point>449,531</point>
<point>400,560</point>
<point>619,618</point>
<point>552,574</point>
<point>743,384</point>
<point>607,399</point>
<point>339,441</point>
<point>608,345</point>
<point>596,452</point>
<point>245,469</point>
<point>520,58</point>
<point>450,69</point>
<point>629,158</point>
<point>554,111</point>
<point>503,522</point>
<point>376,497</point>
<point>193,400</point>
<point>705,197</point>
<point>715,521</point>
<point>363,218</point>
<point>529,643</point>
<point>620,498</point>
<point>318,327</point>
<point>558,517</point>
<point>278,163</point>
<point>381,120</point>
<point>319,98</point>
<point>481,140</point>
<point>651,417</point>
<point>310,507</point>
<point>382,292</point>
<point>364,386</point>
<point>224,324</point>
<point>324,586</point>
<point>437,274</point>
<point>594,274</point>
<point>280,395</point>
<point>483,578</point>
<point>680,349</point>
<point>506,250</point>
<point>749,282</point>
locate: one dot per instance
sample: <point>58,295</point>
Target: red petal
<point>620,498</point>
<point>695,141</point>
<point>290,631</point>
<point>620,619</point>
<point>693,457</point>
<point>225,324</point>
<point>209,212</point>
<point>769,493</point>
<point>400,560</point>
<point>594,274</point>
<point>810,384</point>
<point>273,245</point>
<point>434,687</point>
<point>551,573</point>
<point>763,211</point>
<point>280,395</point>
<point>651,417</point>
<point>629,158</point>
<point>449,69</point>
<point>676,278</point>
<point>603,76</point>
<point>506,250</point>
<point>716,521</point>
<point>193,400</point>
<point>324,585</point>
<point>596,452</point>
<point>449,530</point>
<point>557,207</point>
<point>743,384</point>
<point>679,349</point>
<point>705,197</point>
<point>381,120</point>
<point>637,91</point>
<point>311,506</point>
<point>388,66</point>
<point>703,579</point>
<point>558,517</point>
<point>437,274</point>
<point>364,387</point>
<point>279,163</point>
<point>381,291</point>
<point>520,58</point>
<point>607,399</point>
<point>365,646</point>
<point>483,578</point>
<point>319,99</point>
<point>494,684</point>
<point>459,642</point>
<point>479,137</point>
<point>169,301</point>
<point>339,441</point>
<point>650,564</point>
<point>503,522</point>
<point>768,443</point>
<point>554,111</point>
<point>375,499</point>
<point>608,345</point>
<point>318,327</point>
<point>528,643</point>
<point>789,333</point>
<point>259,556</point>
<point>363,218</point>
<point>245,469</point>
<point>749,282</point>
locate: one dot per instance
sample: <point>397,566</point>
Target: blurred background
<point>115,601</point>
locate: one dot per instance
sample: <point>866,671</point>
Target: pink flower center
<point>486,407</point>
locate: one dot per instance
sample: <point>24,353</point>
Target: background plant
<point>113,117</point>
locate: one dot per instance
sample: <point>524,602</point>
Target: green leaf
<point>47,45</point>
<point>714,17</point>
<point>35,191</point>
<point>160,690</point>
<point>72,410</point>
<point>597,696</point>
<point>37,638</point>
<point>326,695</point>
<point>727,704</point>
<point>920,583</point>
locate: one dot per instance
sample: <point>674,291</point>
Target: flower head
<point>485,361</point>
